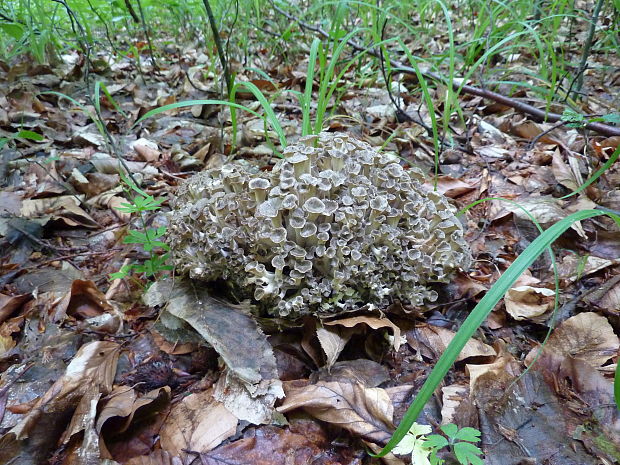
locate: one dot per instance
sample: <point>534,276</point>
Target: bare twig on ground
<point>587,48</point>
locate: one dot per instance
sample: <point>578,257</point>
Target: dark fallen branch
<point>522,107</point>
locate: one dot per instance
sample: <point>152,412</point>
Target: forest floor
<point>89,376</point>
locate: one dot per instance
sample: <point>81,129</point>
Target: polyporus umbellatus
<point>333,227</point>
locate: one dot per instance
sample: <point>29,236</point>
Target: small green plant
<point>424,449</point>
<point>20,135</point>
<point>148,238</point>
<point>573,119</point>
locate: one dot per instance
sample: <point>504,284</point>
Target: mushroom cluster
<point>333,227</point>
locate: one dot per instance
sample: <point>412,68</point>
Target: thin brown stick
<point>522,107</point>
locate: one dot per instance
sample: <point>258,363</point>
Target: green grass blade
<point>96,97</point>
<point>617,386</point>
<point>326,78</point>
<point>271,117</point>
<point>307,97</point>
<point>430,107</point>
<point>598,174</point>
<point>106,92</point>
<point>479,314</point>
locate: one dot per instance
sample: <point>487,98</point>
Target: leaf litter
<point>89,373</point>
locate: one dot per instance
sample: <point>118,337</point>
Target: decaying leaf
<point>197,423</point>
<point>372,322</point>
<point>8,304</point>
<point>89,375</point>
<point>302,442</point>
<point>586,336</point>
<point>431,341</point>
<point>333,340</point>
<point>252,373</point>
<point>529,303</point>
<point>364,412</point>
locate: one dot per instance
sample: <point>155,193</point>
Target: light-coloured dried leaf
<point>373,322</point>
<point>435,339</point>
<point>157,457</point>
<point>546,210</point>
<point>146,149</point>
<point>364,412</point>
<point>587,336</point>
<point>529,303</point>
<point>65,208</point>
<point>333,340</point>
<point>451,187</point>
<point>10,303</point>
<point>198,423</point>
<point>573,267</point>
<point>504,365</point>
<point>452,397</point>
<point>562,172</point>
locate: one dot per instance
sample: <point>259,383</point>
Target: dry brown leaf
<point>452,397</point>
<point>250,385</point>
<point>303,442</point>
<point>65,208</point>
<point>389,459</point>
<point>529,303</point>
<point>112,201</point>
<point>546,210</point>
<point>198,423</point>
<point>373,322</point>
<point>76,393</point>
<point>563,173</point>
<point>586,336</point>
<point>157,457</point>
<point>451,187</point>
<point>504,365</point>
<point>120,404</point>
<point>147,150</point>
<point>123,403</point>
<point>364,412</point>
<point>433,340</point>
<point>607,297</point>
<point>10,303</point>
<point>332,341</point>
<point>573,267</point>
<point>6,344</point>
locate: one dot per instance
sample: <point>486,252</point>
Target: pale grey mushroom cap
<point>334,226</point>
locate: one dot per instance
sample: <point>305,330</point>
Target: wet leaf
<point>252,372</point>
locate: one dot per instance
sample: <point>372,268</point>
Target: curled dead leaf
<point>364,412</point>
<point>586,336</point>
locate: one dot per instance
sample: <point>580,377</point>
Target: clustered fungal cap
<point>334,226</point>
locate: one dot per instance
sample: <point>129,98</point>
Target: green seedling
<point>424,449</point>
<point>574,119</point>
<point>24,134</point>
<point>148,238</point>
